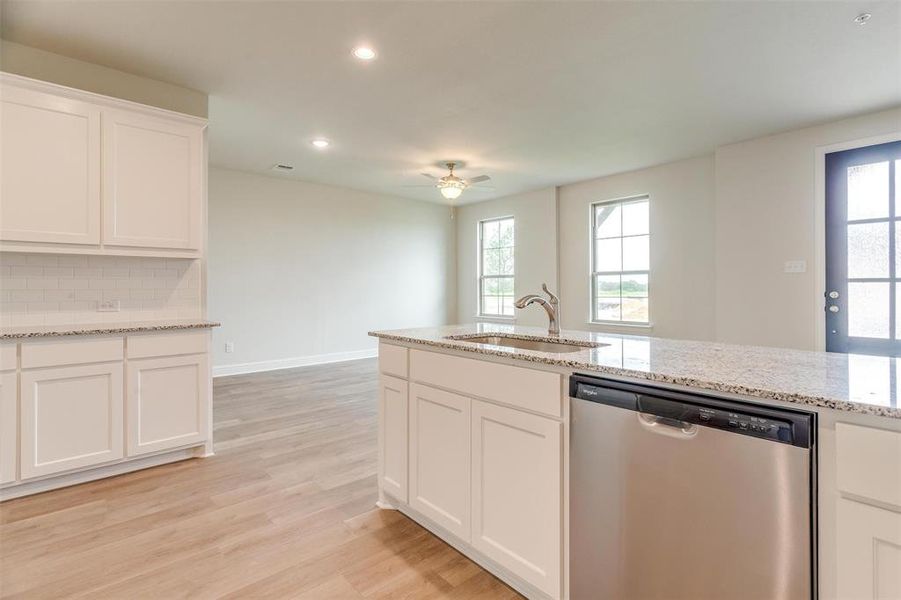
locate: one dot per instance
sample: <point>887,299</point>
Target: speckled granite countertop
<point>848,382</point>
<point>18,333</point>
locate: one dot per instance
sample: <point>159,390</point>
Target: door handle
<point>669,427</point>
<point>832,308</point>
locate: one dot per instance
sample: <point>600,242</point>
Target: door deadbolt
<point>833,294</point>
<point>833,309</point>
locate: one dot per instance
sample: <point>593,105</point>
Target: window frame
<point>481,277</point>
<point>593,273</point>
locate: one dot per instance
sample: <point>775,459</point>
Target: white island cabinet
<point>85,173</point>
<point>868,512</point>
<point>475,443</point>
<point>474,450</point>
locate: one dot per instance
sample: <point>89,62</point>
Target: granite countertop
<point>848,382</point>
<point>18,333</point>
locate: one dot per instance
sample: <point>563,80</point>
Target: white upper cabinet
<point>152,182</point>
<point>50,160</point>
<point>72,161</point>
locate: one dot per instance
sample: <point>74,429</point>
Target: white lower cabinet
<point>71,418</point>
<point>440,475</point>
<point>517,493</point>
<point>167,402</point>
<point>868,513</point>
<point>393,439</point>
<point>869,552</point>
<point>9,426</point>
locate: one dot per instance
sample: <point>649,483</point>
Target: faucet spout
<point>551,306</point>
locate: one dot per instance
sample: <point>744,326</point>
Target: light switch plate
<point>796,266</point>
<point>229,347</point>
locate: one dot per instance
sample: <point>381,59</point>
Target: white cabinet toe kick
<point>81,408</point>
<point>462,444</point>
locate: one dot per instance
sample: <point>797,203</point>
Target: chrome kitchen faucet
<point>552,307</point>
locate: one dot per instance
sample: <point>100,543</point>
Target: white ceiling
<point>534,94</point>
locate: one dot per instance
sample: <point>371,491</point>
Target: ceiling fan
<point>452,186</point>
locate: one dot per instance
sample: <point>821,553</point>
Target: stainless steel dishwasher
<point>683,496</point>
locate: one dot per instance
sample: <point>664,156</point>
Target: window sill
<point>491,318</point>
<point>621,324</point>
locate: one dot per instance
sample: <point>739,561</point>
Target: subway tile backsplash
<point>51,289</point>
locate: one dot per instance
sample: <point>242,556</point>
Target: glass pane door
<point>863,243</point>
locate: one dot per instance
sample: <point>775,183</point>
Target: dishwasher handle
<point>674,428</point>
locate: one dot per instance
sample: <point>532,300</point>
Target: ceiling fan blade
<point>481,188</point>
<point>429,175</point>
<point>478,179</point>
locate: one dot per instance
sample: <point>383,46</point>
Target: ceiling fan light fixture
<point>452,190</point>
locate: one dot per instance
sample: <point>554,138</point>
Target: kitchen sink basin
<point>523,343</point>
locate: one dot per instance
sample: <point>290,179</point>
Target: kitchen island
<point>474,440</point>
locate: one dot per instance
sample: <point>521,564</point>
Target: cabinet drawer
<point>167,344</point>
<point>57,353</point>
<point>393,360</point>
<point>8,357</point>
<point>539,391</point>
<point>869,462</point>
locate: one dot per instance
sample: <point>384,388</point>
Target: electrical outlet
<point>229,347</point>
<point>108,306</point>
<point>796,266</point>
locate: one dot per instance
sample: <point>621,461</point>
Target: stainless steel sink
<point>522,343</point>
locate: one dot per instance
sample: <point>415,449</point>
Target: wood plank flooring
<point>284,510</point>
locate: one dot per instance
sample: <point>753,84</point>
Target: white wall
<point>535,253</point>
<point>62,70</point>
<point>766,214</point>
<point>299,270</point>
<point>681,282</point>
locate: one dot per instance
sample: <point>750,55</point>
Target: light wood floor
<point>284,509</point>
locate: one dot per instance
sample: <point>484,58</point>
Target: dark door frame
<point>835,257</point>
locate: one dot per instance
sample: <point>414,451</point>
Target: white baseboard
<point>291,363</point>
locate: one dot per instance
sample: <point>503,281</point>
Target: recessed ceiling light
<point>862,18</point>
<point>364,52</point>
<point>320,143</point>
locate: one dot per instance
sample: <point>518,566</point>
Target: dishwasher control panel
<point>675,407</point>
<point>757,426</point>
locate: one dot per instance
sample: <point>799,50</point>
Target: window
<point>620,241</point>
<point>496,267</point>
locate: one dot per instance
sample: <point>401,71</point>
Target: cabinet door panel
<point>71,418</point>
<point>517,491</point>
<point>9,426</point>
<point>869,551</point>
<point>393,436</point>
<point>152,175</point>
<point>440,428</point>
<point>50,153</point>
<point>168,402</point>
